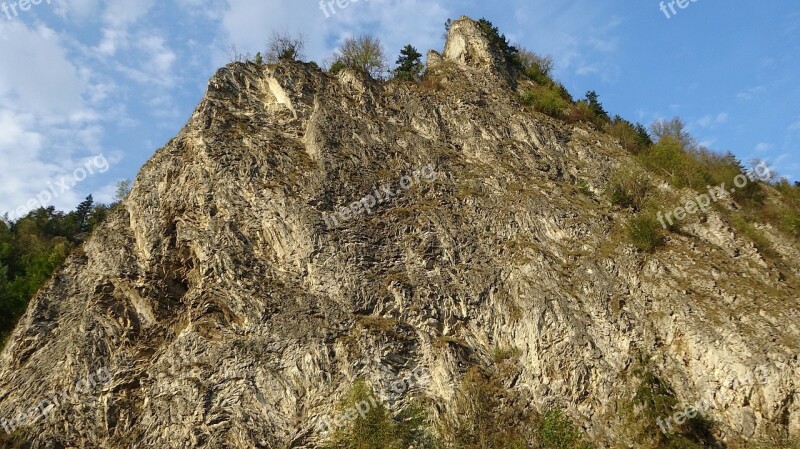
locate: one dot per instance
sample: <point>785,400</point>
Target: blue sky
<point>83,78</point>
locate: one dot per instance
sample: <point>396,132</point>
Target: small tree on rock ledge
<point>363,53</point>
<point>284,46</point>
<point>409,64</point>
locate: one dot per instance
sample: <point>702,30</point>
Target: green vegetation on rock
<point>374,425</point>
<point>32,248</point>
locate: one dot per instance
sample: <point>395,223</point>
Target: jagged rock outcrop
<point>232,300</point>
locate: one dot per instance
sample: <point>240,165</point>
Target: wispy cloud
<point>578,42</point>
<point>763,147</point>
<point>710,121</point>
<point>752,93</point>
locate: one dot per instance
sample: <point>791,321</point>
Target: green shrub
<point>619,196</point>
<point>668,159</point>
<point>593,101</point>
<point>783,211</point>
<point>556,431</point>
<point>538,68</point>
<point>645,141</point>
<point>487,414</point>
<point>678,159</point>
<point>794,226</point>
<point>283,46</point>
<point>583,187</point>
<point>746,228</point>
<point>674,129</point>
<point>377,427</point>
<point>414,427</point>
<point>15,440</point>
<point>547,99</point>
<point>336,67</point>
<point>629,188</point>
<point>503,354</point>
<point>645,232</point>
<point>655,400</point>
<point>633,138</point>
<point>581,112</point>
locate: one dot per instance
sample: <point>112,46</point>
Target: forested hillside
<point>33,247</point>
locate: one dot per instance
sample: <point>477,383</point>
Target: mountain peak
<point>469,46</point>
<point>308,235</point>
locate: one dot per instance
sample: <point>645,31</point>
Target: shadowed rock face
<point>228,314</point>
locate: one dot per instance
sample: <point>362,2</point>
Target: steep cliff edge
<point>231,300</point>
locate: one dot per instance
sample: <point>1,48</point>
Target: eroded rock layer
<point>232,301</point>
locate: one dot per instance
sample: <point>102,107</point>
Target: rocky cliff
<point>305,230</point>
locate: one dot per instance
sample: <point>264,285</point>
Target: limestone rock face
<point>468,47</point>
<point>233,299</point>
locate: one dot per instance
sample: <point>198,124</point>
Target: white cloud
<point>751,93</point>
<point>113,39</point>
<point>570,33</point>
<point>710,121</point>
<point>47,120</point>
<point>32,165</point>
<point>119,15</point>
<point>762,147</point>
<point>707,143</point>
<point>78,10</point>
<point>122,13</point>
<point>249,23</point>
<point>42,80</point>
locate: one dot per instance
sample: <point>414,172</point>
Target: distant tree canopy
<point>634,137</point>
<point>363,53</point>
<point>123,189</point>
<point>593,101</point>
<point>674,129</point>
<point>32,248</point>
<point>536,67</point>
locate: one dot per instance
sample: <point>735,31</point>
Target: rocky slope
<point>230,301</point>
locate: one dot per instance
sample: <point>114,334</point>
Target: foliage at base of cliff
<point>32,248</point>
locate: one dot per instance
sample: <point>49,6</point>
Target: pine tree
<point>409,64</point>
<point>644,136</point>
<point>592,99</point>
<point>82,213</point>
<point>510,52</point>
<point>447,26</point>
